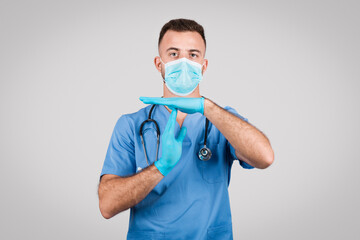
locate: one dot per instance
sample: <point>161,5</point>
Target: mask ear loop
<point>164,66</point>
<point>202,65</point>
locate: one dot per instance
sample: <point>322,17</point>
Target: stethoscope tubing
<point>157,134</point>
<point>204,153</point>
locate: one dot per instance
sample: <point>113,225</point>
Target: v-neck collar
<point>188,122</point>
<point>188,117</point>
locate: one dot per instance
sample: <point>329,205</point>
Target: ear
<point>157,63</point>
<point>204,66</point>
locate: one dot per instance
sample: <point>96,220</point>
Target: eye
<point>173,54</point>
<point>193,55</point>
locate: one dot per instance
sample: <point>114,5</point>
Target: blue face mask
<point>182,76</point>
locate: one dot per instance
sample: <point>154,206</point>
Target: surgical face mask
<point>182,76</point>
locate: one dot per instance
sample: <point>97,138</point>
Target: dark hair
<point>182,25</point>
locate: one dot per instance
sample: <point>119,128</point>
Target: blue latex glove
<point>171,147</point>
<point>185,105</point>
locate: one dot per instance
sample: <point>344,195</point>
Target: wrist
<point>202,104</point>
<point>208,105</point>
<point>163,169</point>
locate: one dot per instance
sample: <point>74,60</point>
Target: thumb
<point>182,134</point>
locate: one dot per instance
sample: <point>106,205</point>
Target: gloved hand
<point>185,105</point>
<point>171,147</point>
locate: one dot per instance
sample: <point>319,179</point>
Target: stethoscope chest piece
<point>205,154</point>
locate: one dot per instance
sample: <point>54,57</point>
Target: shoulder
<point>233,111</point>
<point>131,120</point>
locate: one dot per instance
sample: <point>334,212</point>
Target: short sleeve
<point>120,156</point>
<point>231,149</point>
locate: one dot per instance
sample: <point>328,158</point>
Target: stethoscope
<point>204,153</point>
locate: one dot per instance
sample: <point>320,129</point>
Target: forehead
<point>182,40</point>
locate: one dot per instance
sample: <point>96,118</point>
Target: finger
<point>170,102</point>
<point>153,100</point>
<point>171,122</point>
<point>182,134</point>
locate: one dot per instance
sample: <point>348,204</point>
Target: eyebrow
<point>189,50</point>
<point>173,48</point>
<point>195,50</point>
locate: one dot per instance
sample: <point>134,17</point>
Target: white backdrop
<point>69,69</point>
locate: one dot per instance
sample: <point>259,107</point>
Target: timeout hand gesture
<point>185,105</point>
<point>171,146</point>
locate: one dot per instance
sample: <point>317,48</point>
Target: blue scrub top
<point>192,201</point>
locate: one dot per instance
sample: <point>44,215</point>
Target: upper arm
<point>120,156</point>
<point>106,177</point>
<point>244,162</point>
<point>236,155</point>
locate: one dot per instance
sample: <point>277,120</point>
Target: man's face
<point>176,45</point>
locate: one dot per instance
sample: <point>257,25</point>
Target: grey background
<point>69,69</point>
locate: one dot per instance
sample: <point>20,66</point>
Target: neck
<point>180,116</point>
<point>168,94</point>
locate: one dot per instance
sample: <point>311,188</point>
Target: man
<point>180,194</point>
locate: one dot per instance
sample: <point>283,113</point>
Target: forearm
<point>250,144</point>
<point>117,194</point>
